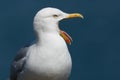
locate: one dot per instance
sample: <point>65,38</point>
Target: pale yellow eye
<point>55,16</point>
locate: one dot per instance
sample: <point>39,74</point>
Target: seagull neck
<point>47,35</point>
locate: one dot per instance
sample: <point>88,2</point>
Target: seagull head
<point>47,20</point>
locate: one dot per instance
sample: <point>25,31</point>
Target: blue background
<point>96,39</point>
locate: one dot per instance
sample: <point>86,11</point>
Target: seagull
<point>48,58</point>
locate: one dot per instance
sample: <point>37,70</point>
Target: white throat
<point>48,34</point>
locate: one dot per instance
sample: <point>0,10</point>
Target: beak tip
<point>81,16</point>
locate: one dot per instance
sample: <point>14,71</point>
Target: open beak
<point>65,36</point>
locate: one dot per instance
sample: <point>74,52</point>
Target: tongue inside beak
<point>66,37</point>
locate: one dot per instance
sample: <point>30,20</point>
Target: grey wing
<point>18,63</point>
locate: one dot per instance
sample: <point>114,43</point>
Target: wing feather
<point>18,63</point>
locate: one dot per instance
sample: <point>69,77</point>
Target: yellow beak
<point>74,15</point>
<point>63,34</point>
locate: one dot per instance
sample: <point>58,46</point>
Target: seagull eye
<point>55,16</point>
